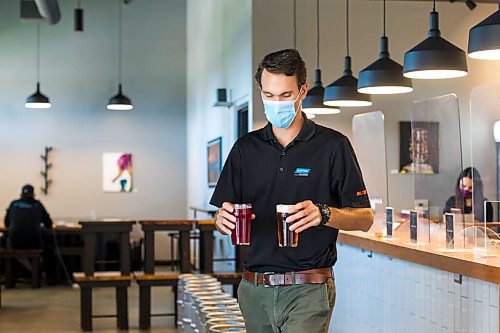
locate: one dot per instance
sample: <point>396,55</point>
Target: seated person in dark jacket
<point>23,220</point>
<point>469,185</point>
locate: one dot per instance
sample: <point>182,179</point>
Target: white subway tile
<point>478,317</point>
<point>463,314</point>
<point>478,294</point>
<point>470,314</point>
<point>493,320</point>
<point>493,295</point>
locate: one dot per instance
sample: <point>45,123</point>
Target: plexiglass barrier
<point>484,175</point>
<point>436,161</point>
<point>369,144</point>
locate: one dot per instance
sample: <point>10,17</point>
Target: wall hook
<point>45,170</point>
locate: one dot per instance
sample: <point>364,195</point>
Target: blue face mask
<point>280,113</point>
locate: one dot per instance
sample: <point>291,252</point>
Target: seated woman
<point>469,183</point>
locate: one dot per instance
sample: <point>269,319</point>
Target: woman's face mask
<point>280,113</point>
<point>466,193</point>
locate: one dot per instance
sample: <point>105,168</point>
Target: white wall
<point>407,26</point>
<point>79,74</point>
<point>219,56</point>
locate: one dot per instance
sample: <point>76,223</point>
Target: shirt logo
<point>360,193</point>
<point>302,172</point>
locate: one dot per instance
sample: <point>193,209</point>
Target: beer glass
<point>241,233</point>
<point>286,238</point>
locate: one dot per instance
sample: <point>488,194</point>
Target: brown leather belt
<point>268,279</point>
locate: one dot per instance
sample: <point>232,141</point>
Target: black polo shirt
<point>319,165</point>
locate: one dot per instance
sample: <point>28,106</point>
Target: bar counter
<point>474,265</point>
<point>393,285</point>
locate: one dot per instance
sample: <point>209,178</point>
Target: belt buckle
<point>265,276</point>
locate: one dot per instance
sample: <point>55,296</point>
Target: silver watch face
<point>325,213</point>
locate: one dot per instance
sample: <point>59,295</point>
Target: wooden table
<point>182,226</point>
<point>118,280</point>
<point>62,239</point>
<point>90,229</point>
<point>207,228</point>
<point>207,210</point>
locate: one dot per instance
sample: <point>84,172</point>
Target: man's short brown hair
<point>287,61</point>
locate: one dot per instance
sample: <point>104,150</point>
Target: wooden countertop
<point>467,262</point>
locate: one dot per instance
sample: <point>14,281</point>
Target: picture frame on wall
<point>117,172</point>
<point>214,161</point>
<point>419,147</point>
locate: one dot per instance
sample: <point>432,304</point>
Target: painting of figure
<point>117,172</point>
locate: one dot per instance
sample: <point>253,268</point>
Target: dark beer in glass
<point>241,233</point>
<point>286,238</point>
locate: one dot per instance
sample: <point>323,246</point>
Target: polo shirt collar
<point>306,132</point>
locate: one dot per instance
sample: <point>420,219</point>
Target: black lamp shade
<point>384,76</point>
<point>435,57</point>
<point>484,38</point>
<point>313,103</point>
<point>344,91</point>
<point>37,100</point>
<point>120,102</point>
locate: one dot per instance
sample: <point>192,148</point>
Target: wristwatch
<point>325,213</point>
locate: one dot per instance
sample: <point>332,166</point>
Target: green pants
<point>287,309</point>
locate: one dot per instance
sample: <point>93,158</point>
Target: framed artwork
<point>117,172</point>
<point>214,161</point>
<point>419,147</point>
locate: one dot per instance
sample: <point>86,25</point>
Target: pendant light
<point>384,76</point>
<point>484,38</point>
<point>120,102</point>
<point>78,19</point>
<point>344,91</point>
<point>435,57</point>
<point>37,100</point>
<point>313,103</point>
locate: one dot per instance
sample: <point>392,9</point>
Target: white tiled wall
<point>376,293</point>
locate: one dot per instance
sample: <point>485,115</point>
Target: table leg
<point>185,251</point>
<point>35,272</point>
<point>149,252</point>
<point>125,253</point>
<point>89,240</point>
<point>206,251</point>
<point>9,273</point>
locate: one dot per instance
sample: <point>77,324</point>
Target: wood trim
<point>467,264</point>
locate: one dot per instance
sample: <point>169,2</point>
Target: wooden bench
<point>103,280</point>
<point>145,282</point>
<point>29,258</point>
